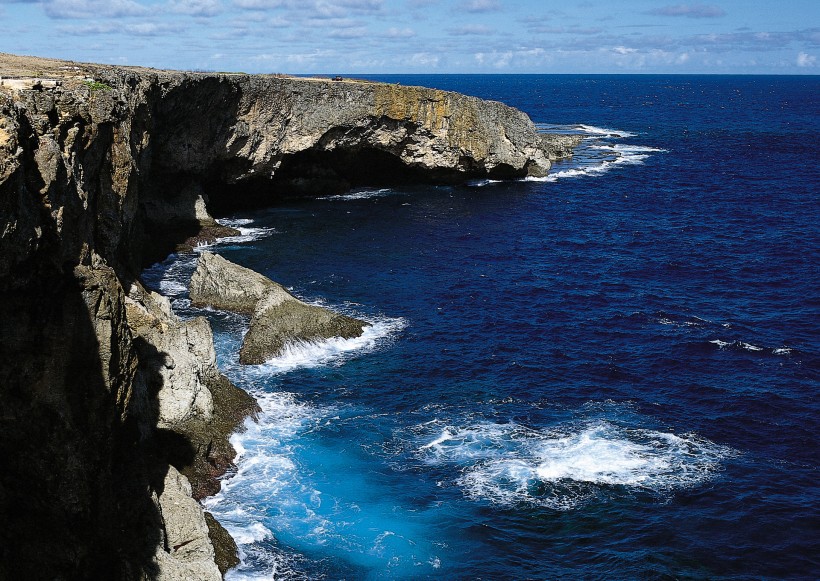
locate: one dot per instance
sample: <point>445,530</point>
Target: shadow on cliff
<point>79,477</point>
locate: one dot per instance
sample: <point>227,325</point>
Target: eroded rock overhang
<point>256,138</point>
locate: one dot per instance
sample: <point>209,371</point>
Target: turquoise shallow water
<point>610,373</point>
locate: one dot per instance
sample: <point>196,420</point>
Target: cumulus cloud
<point>131,29</point>
<point>400,33</point>
<point>94,9</point>
<point>424,59</point>
<point>324,8</point>
<point>196,7</point>
<point>806,60</point>
<point>479,5</point>
<point>689,11</point>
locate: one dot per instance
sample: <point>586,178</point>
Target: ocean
<point>608,373</point>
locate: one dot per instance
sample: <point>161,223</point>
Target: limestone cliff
<point>111,409</point>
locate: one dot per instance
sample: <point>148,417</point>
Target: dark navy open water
<point>611,373</point>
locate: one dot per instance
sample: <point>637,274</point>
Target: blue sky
<point>423,36</point>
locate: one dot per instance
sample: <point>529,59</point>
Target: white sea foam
<point>246,233</point>
<point>593,168</point>
<point>332,351</point>
<point>359,194</point>
<point>508,464</point>
<point>603,131</point>
<point>170,277</point>
<point>742,345</point>
<point>482,183</point>
<point>267,470</point>
<point>596,154</point>
<point>591,130</point>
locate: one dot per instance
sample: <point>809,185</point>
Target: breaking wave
<point>509,464</point>
<point>596,154</point>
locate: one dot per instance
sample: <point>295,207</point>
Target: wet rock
<point>282,319</point>
<point>225,549</point>
<point>278,318</point>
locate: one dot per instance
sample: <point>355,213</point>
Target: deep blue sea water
<point>611,373</point>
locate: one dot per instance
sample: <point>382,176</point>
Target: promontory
<point>113,414</point>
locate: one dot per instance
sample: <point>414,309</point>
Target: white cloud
<point>400,33</point>
<point>348,33</point>
<point>479,5</point>
<point>424,59</point>
<point>196,7</point>
<point>259,4</point>
<point>132,29</point>
<point>94,9</point>
<point>806,60</point>
<point>314,8</point>
<point>689,11</point>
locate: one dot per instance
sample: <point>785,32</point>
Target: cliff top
<point>20,67</point>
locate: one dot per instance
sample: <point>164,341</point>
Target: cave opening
<point>318,172</point>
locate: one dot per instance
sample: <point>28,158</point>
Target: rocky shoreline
<point>115,417</point>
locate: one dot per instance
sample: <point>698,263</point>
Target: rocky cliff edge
<point>112,410</point>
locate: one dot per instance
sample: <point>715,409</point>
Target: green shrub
<point>97,86</point>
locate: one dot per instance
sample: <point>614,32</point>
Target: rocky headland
<point>115,418</point>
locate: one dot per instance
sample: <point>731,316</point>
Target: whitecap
<point>171,276</point>
<point>359,195</point>
<point>592,130</point>
<point>603,131</point>
<point>737,345</point>
<point>508,464</point>
<point>482,183</point>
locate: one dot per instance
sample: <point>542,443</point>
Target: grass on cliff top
<point>98,86</point>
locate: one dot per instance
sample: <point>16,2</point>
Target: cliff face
<point>112,410</point>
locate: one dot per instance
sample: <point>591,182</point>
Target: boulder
<point>281,320</point>
<point>278,318</point>
<point>221,284</point>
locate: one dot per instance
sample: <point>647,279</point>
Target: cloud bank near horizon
<point>431,36</point>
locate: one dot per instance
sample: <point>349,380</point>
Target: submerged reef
<point>115,419</point>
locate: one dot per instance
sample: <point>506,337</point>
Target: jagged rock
<point>278,319</point>
<point>94,182</point>
<point>282,319</point>
<point>187,552</point>
<point>177,357</point>
<point>197,407</point>
<point>224,285</point>
<point>224,546</point>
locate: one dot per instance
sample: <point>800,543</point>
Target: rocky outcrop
<point>112,413</point>
<point>196,407</point>
<point>186,551</point>
<point>221,284</point>
<point>279,319</point>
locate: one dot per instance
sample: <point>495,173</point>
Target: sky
<point>423,36</point>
